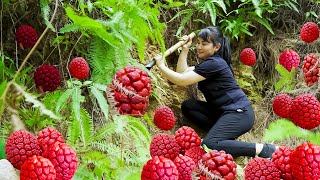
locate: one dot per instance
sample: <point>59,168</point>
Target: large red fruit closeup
<point>305,111</point>
<point>37,168</point>
<point>261,168</point>
<point>305,162</point>
<point>130,90</point>
<point>187,137</point>
<point>195,153</point>
<point>64,160</point>
<point>281,159</point>
<point>218,164</point>
<point>248,57</point>
<point>47,78</point>
<point>20,146</point>
<point>164,145</point>
<point>289,59</point>
<point>185,166</point>
<point>282,105</point>
<point>47,137</point>
<point>164,118</point>
<point>79,68</point>
<point>159,168</point>
<point>309,32</point>
<point>26,36</point>
<point>310,69</point>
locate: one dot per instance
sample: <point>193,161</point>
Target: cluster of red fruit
<point>47,77</point>
<point>303,163</point>
<point>303,110</point>
<point>181,156</point>
<point>45,157</point>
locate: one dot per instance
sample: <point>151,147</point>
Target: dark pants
<point>225,127</point>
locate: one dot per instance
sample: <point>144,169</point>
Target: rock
<point>7,172</point>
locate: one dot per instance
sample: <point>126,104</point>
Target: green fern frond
<point>62,101</point>
<point>140,128</point>
<point>73,130</point>
<point>50,99</point>
<point>45,11</point>
<point>86,126</point>
<point>100,145</point>
<point>70,28</point>
<point>105,60</point>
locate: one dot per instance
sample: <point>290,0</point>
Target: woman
<point>227,109</point>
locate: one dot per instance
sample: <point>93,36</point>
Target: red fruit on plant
<point>187,137</point>
<point>218,164</point>
<point>26,36</point>
<point>164,118</point>
<point>164,145</point>
<point>47,137</point>
<point>37,168</point>
<point>305,111</point>
<point>261,168</point>
<point>281,159</point>
<point>159,168</point>
<point>195,153</point>
<point>248,57</point>
<point>310,69</point>
<point>47,78</point>
<point>282,105</point>
<point>79,68</point>
<point>185,166</point>
<point>20,146</point>
<point>64,160</point>
<point>130,90</point>
<point>305,162</point>
<point>309,32</point>
<point>289,59</point>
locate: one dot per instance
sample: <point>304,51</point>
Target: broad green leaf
<point>147,118</point>
<point>76,101</point>
<point>98,94</point>
<point>212,12</point>
<point>221,4</point>
<point>265,23</point>
<point>315,138</point>
<point>270,2</point>
<point>282,71</point>
<point>284,129</point>
<point>32,99</point>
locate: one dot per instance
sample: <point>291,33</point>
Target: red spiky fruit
<point>310,69</point>
<point>159,168</point>
<point>185,166</point>
<point>37,168</point>
<point>261,168</point>
<point>281,159</point>
<point>20,146</point>
<point>130,91</point>
<point>47,78</point>
<point>79,68</point>
<point>64,160</point>
<point>218,164</point>
<point>164,145</point>
<point>248,57</point>
<point>289,59</point>
<point>187,137</point>
<point>195,153</point>
<point>282,105</point>
<point>309,32</point>
<point>48,136</point>
<point>26,36</point>
<point>305,111</point>
<point>305,162</point>
<point>164,118</point>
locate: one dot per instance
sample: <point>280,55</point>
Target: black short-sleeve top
<point>220,88</point>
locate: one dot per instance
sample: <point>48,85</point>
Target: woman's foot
<point>267,150</point>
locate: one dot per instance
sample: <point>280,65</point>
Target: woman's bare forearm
<point>182,61</point>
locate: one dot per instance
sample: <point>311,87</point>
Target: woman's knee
<point>211,144</point>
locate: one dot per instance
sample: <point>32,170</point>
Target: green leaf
<point>97,91</point>
<point>74,131</point>
<point>284,129</point>
<point>32,99</point>
<point>45,11</point>
<point>270,2</point>
<point>77,98</point>
<point>3,87</point>
<point>62,101</point>
<point>212,12</point>
<point>2,149</point>
<point>265,23</point>
<point>315,138</point>
<point>147,118</point>
<point>221,4</point>
<point>104,131</point>
<point>282,70</point>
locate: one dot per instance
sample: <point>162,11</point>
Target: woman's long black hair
<point>214,35</point>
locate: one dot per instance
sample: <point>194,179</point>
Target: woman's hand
<point>188,41</point>
<point>159,60</point>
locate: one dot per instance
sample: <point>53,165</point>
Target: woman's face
<point>206,49</point>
